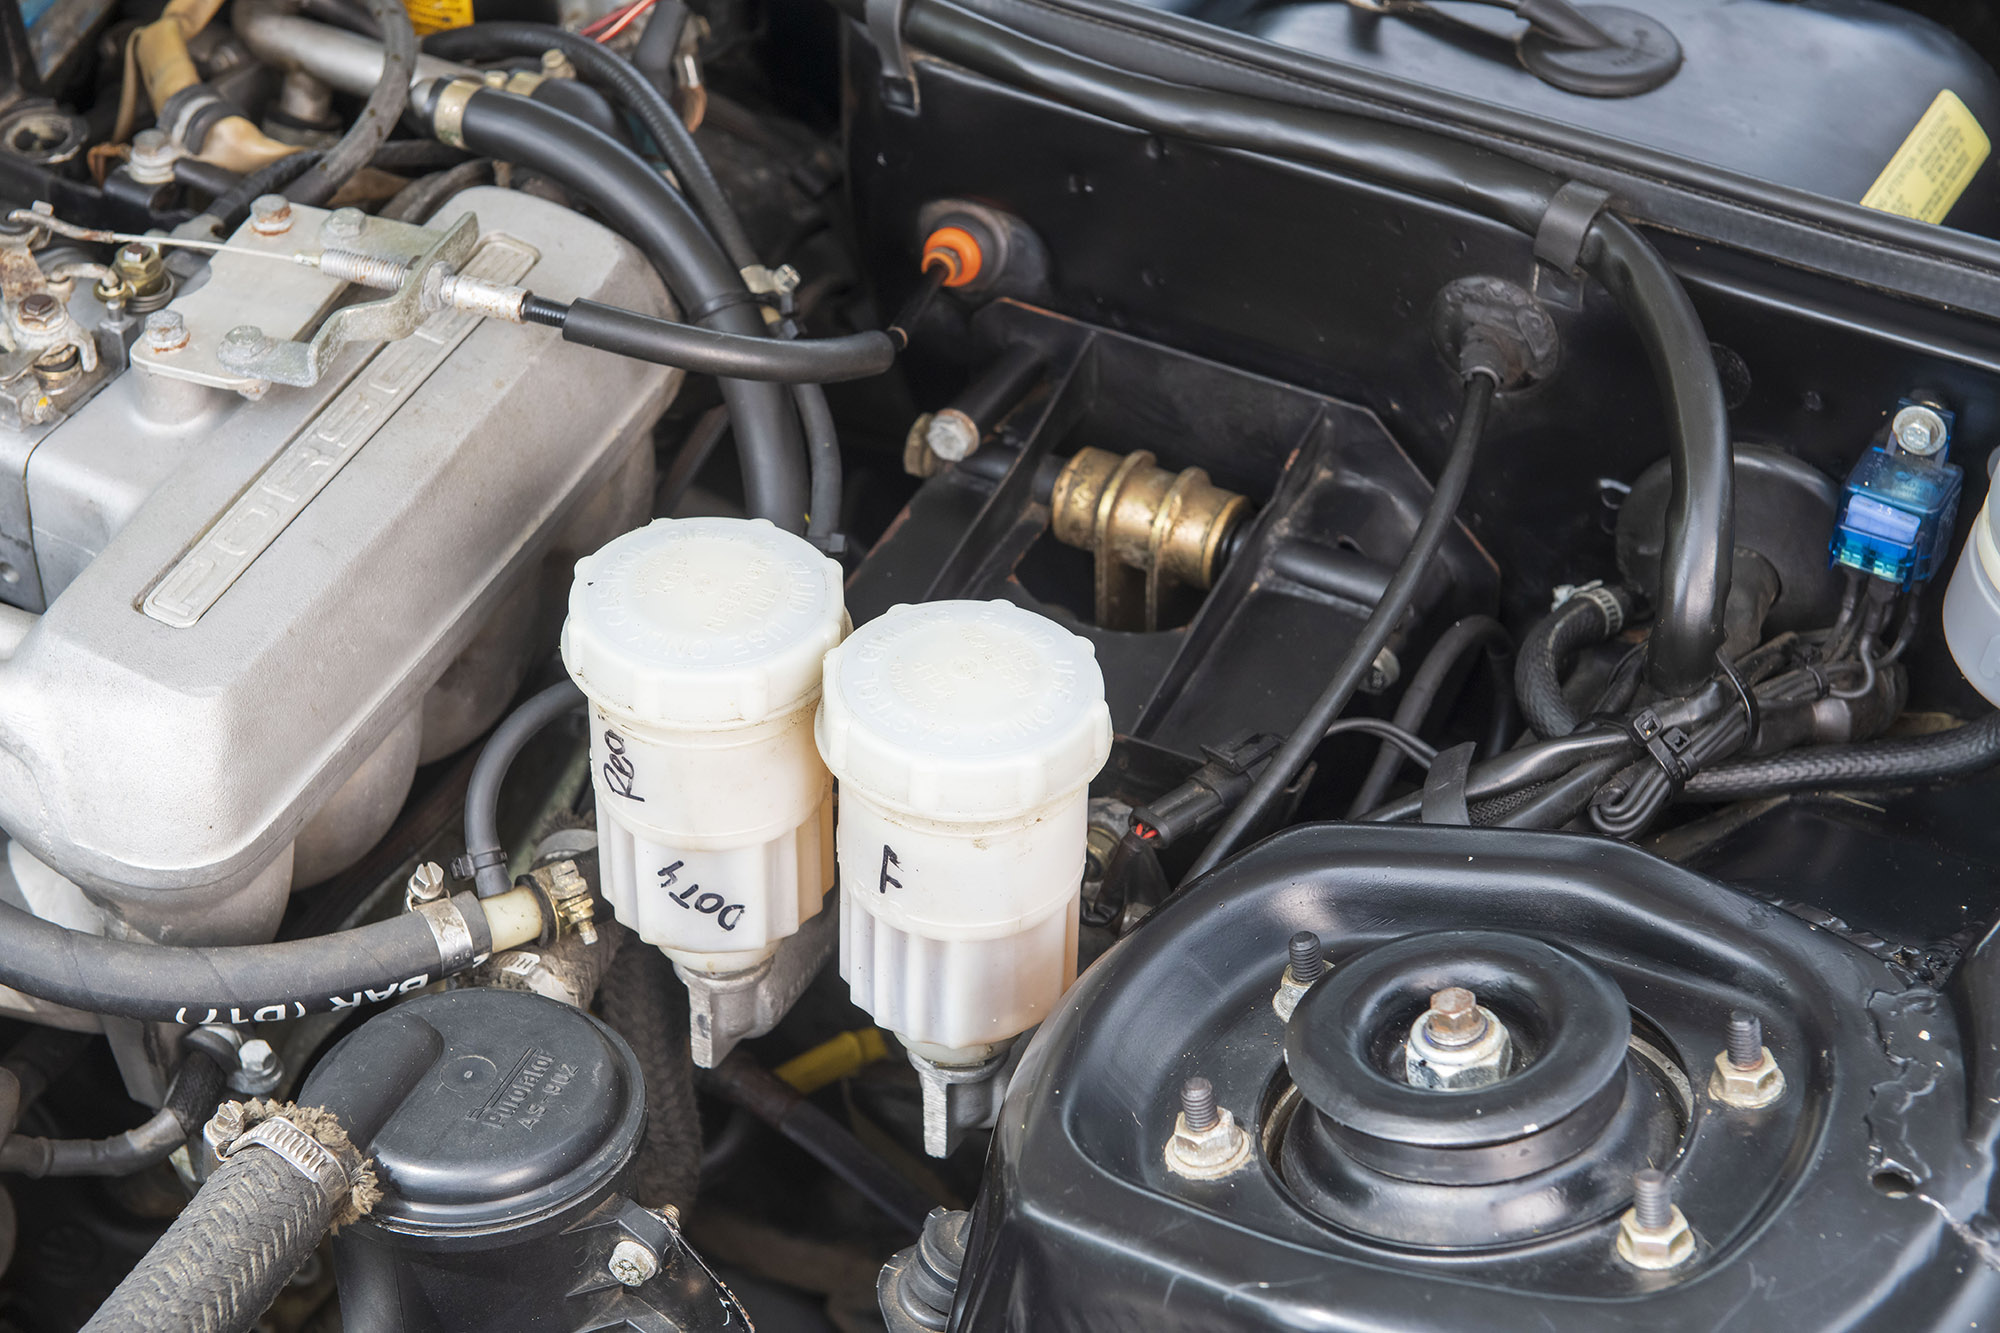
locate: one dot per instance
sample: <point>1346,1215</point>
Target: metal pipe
<point>336,57</point>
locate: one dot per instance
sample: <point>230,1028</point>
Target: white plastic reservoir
<point>699,642</point>
<point>964,735</point>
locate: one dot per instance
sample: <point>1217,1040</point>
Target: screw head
<point>952,435</point>
<point>426,884</point>
<point>1454,1018</point>
<point>39,310</point>
<point>166,331</point>
<point>1920,430</point>
<point>633,1264</point>
<point>245,338</point>
<point>270,215</point>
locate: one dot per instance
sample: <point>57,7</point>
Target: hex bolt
<point>270,215</point>
<point>1746,1039</point>
<point>166,331</point>
<point>1198,1104</point>
<point>1652,1199</point>
<point>39,310</point>
<point>257,1057</point>
<point>1454,1018</point>
<point>1307,960</point>
<point>342,224</point>
<point>1919,429</point>
<point>152,158</point>
<point>633,1264</point>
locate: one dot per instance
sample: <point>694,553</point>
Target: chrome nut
<point>1655,1248</point>
<point>1448,1049</point>
<point>1747,1089</point>
<point>1208,1154</point>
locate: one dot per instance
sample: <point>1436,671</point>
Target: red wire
<point>618,21</point>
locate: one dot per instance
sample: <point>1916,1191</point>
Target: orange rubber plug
<point>958,251</point>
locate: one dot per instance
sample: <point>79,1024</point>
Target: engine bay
<point>998,665</point>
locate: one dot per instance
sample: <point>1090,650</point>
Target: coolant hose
<point>668,342</point>
<point>191,1099</point>
<point>1941,754</point>
<point>1694,570</point>
<point>636,202</point>
<point>1547,650</point>
<point>645,1003</point>
<point>482,791</point>
<point>823,454</point>
<point>619,79</point>
<point>379,114</point>
<point>1439,516</point>
<point>241,983</point>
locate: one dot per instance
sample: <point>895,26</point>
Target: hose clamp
<point>1600,597</point>
<point>448,117</point>
<point>308,1156</point>
<point>457,950</point>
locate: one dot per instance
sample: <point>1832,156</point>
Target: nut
<point>1207,1143</point>
<point>633,1264</point>
<point>569,894</point>
<point>39,310</point>
<point>1747,1089</point>
<point>1457,1043</point>
<point>1655,1248</point>
<point>152,159</point>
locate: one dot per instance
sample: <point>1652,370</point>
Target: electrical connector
<point>1899,502</point>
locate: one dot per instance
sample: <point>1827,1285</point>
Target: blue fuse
<point>1897,508</point>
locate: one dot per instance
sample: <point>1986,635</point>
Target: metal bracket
<point>725,1008</point>
<point>249,351</point>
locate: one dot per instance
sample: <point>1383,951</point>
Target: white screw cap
<point>964,710</point>
<point>702,622</point>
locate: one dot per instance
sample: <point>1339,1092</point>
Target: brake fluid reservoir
<point>964,735</point>
<point>698,642</point>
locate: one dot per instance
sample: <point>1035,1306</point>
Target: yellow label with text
<point>1934,165</point>
<point>429,16</point>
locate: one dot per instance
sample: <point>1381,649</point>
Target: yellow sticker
<point>1934,165</point>
<point>429,16</point>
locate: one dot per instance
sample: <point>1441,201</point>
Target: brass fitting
<point>145,273</point>
<point>1142,522</point>
<point>569,898</point>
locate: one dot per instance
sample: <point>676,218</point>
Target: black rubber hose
<point>636,202</point>
<point>1546,654</point>
<point>247,1230</point>
<point>645,1003</point>
<point>1562,800</point>
<point>1516,769</point>
<point>1472,634</point>
<point>489,772</point>
<point>191,1100</point>
<point>1695,554</point>
<point>232,208</point>
<point>667,342</point>
<point>823,454</point>
<point>1439,515</point>
<point>757,1090</point>
<point>378,116</point>
<point>1968,749</point>
<point>653,56</point>
<point>235,983</point>
<point>422,197</point>
<point>1694,570</point>
<point>626,86</point>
